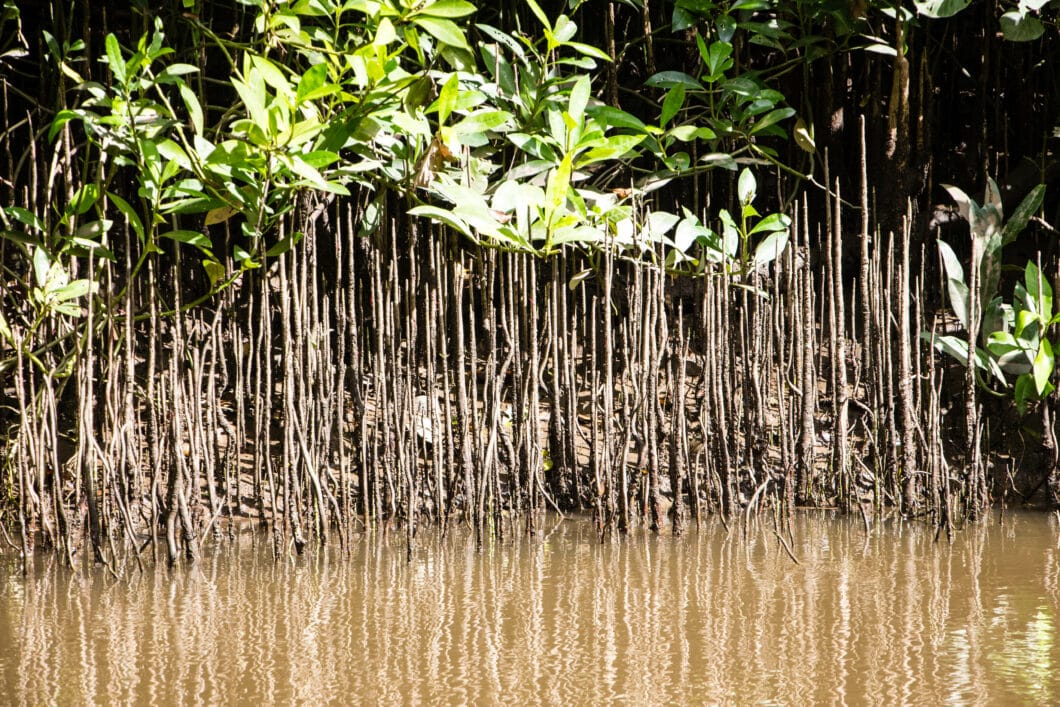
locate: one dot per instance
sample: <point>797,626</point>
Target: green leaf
<point>772,118</point>
<point>482,121</point>
<point>688,133</point>
<point>950,262</point>
<point>1043,366</point>
<point>668,79</point>
<point>539,13</point>
<point>1042,304</point>
<point>770,248</point>
<point>955,285</point>
<point>41,264</point>
<point>771,224</point>
<point>447,98</point>
<point>615,147</point>
<point>444,216</point>
<point>672,104</point>
<point>804,136</point>
<point>61,119</point>
<point>84,199</point>
<point>966,205</point>
<point>556,188</point>
<point>1017,26</point>
<point>313,79</point>
<point>195,238</point>
<point>115,61</point>
<point>746,187</point>
<point>940,8</point>
<point>1024,392</point>
<point>445,31</point>
<point>588,50</point>
<point>25,217</point>
<point>448,8</point>
<point>130,214</point>
<point>1027,208</point>
<point>579,98</point>
<point>191,102</point>
<point>617,118</point>
<point>312,175</point>
<point>76,289</point>
<point>253,100</point>
<point>283,245</point>
<point>214,270</point>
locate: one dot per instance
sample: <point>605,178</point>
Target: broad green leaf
<point>940,8</point>
<point>385,33</point>
<point>94,230</point>
<point>1043,366</point>
<point>958,349</point>
<point>564,30</point>
<point>556,187</point>
<point>959,300</point>
<point>115,61</point>
<point>41,265</point>
<point>1027,208</point>
<point>1018,26</point>
<point>445,31</point>
<point>615,147</point>
<point>175,153</point>
<point>447,98</point>
<point>950,262</point>
<point>219,215</point>
<point>720,159</point>
<point>214,270</point>
<point>672,104</point>
<point>804,136</point>
<point>966,205</point>
<point>273,75</point>
<point>616,118</point>
<point>19,237</point>
<point>447,8</point>
<point>313,79</point>
<point>1040,293</point>
<point>687,133</point>
<point>130,214</point>
<point>84,199</point>
<point>772,118</point>
<point>281,246</point>
<point>195,238</point>
<point>746,187</point>
<point>444,216</point>
<point>771,224</point>
<point>690,230</point>
<point>539,13</point>
<point>770,248</point>
<point>76,289</point>
<point>482,121</point>
<point>61,119</point>
<point>176,70</point>
<point>579,98</point>
<point>513,195</point>
<point>191,102</point>
<point>253,100</point>
<point>588,50</point>
<point>312,175</point>
<point>668,79</point>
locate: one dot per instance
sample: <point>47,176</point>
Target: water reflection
<point>889,617</point>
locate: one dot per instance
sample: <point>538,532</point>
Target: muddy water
<point>890,617</point>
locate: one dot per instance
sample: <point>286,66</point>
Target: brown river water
<point>885,617</point>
